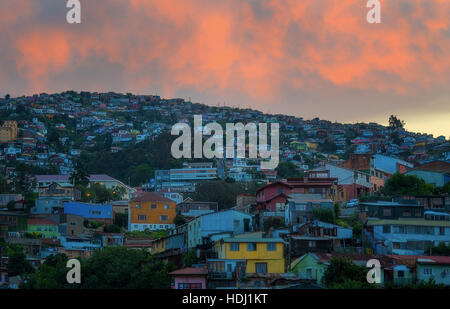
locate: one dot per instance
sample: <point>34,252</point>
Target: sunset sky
<point>308,58</point>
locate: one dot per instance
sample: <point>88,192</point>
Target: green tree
<point>219,191</point>
<point>288,170</point>
<point>189,258</point>
<point>79,177</point>
<point>343,273</point>
<point>17,263</point>
<point>112,228</point>
<point>179,220</point>
<point>396,123</point>
<point>401,184</point>
<point>324,214</point>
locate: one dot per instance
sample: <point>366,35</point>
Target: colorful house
<point>189,278</point>
<point>201,228</point>
<point>310,266</point>
<point>151,211</point>
<point>43,227</point>
<point>263,255</point>
<point>436,268</point>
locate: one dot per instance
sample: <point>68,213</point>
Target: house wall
<point>440,273</point>
<point>434,178</point>
<point>316,270</point>
<point>189,279</point>
<point>47,231</point>
<point>274,259</point>
<point>152,216</point>
<point>214,223</point>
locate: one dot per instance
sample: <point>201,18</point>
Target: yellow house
<point>8,131</point>
<point>263,255</point>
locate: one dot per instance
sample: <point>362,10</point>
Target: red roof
<point>190,271</point>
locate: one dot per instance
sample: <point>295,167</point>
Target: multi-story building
<point>403,228</point>
<point>151,211</point>
<point>8,131</point>
<point>262,255</point>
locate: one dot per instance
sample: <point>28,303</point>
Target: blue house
<point>89,211</point>
<point>202,227</point>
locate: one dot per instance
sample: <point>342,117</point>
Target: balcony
<point>220,275</point>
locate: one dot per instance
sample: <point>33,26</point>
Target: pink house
<point>189,278</point>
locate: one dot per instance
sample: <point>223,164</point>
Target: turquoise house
<point>433,267</point>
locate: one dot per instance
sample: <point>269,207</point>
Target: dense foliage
<point>111,268</point>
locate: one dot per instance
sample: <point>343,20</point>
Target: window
<point>142,217</point>
<point>271,247</point>
<point>428,271</point>
<point>386,229</point>
<point>234,246</point>
<point>261,268</point>
<point>441,230</point>
<point>138,206</point>
<point>153,206</point>
<point>189,286</point>
<point>166,206</point>
<point>407,213</point>
<point>401,274</point>
<point>387,212</point>
<point>311,244</point>
<point>251,247</point>
<point>164,218</point>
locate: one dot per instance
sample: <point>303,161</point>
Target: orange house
<point>151,211</point>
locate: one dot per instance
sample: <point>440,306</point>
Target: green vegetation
<point>441,249</point>
<point>111,268</point>
<point>17,263</point>
<point>344,274</point>
<point>401,184</point>
<point>147,234</point>
<point>288,170</point>
<point>135,164</point>
<point>222,192</point>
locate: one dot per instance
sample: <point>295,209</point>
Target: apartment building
<point>151,211</point>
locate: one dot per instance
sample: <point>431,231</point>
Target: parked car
<point>353,203</point>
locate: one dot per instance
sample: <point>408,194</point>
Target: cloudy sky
<point>308,58</point>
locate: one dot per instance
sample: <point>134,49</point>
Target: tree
<point>344,273</point>
<point>111,268</point>
<point>401,184</point>
<point>219,191</point>
<point>274,223</point>
<point>79,177</point>
<point>324,214</point>
<point>7,97</point>
<point>189,258</point>
<point>112,228</point>
<point>179,220</point>
<point>396,123</point>
<point>288,170</point>
<point>17,263</point>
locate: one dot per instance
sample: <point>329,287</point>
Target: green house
<point>43,227</point>
<point>310,266</point>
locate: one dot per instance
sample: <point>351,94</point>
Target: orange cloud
<point>255,48</point>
